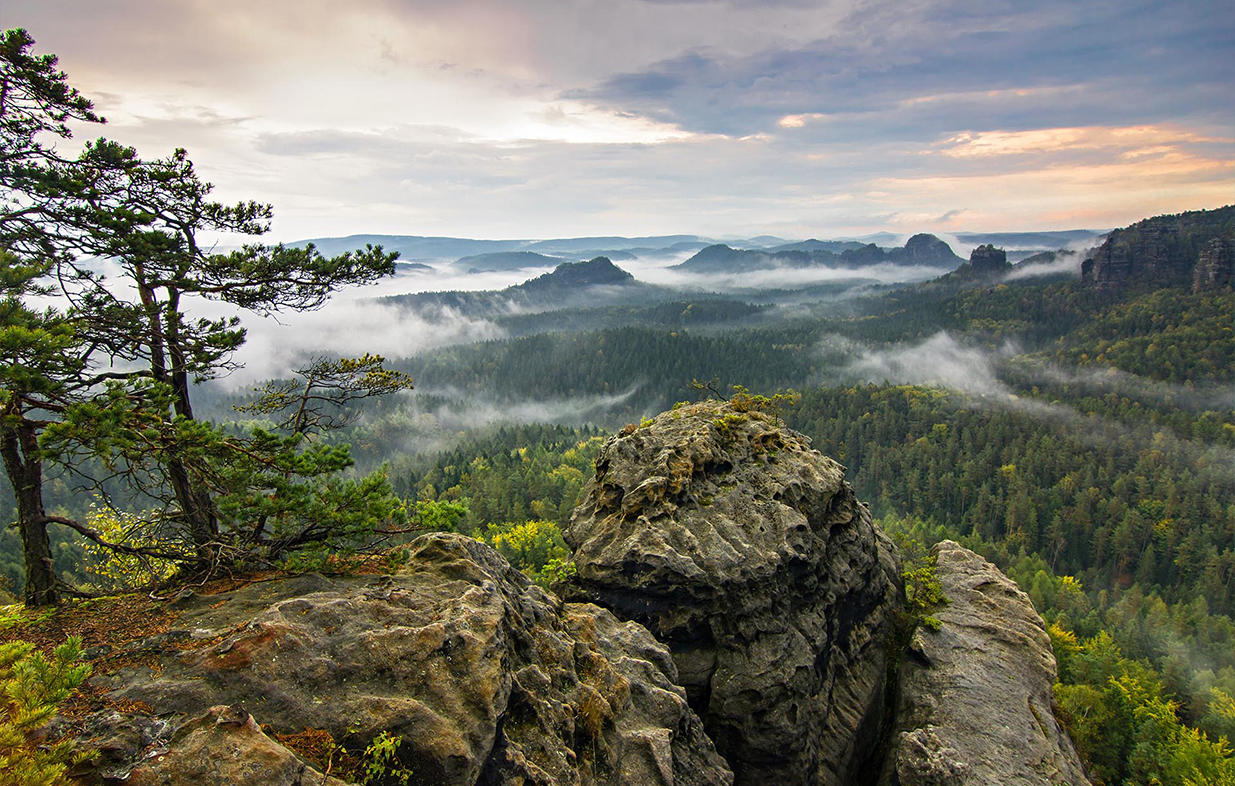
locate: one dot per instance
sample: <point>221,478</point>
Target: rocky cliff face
<point>988,261</point>
<point>485,677</point>
<point>1215,267</point>
<point>1163,250</point>
<point>974,703</point>
<point>745,552</point>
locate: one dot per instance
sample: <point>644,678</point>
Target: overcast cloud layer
<point>542,118</point>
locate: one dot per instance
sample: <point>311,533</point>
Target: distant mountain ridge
<point>834,246</point>
<point>420,248</point>
<point>505,260</point>
<point>920,250</point>
<point>571,284</point>
<point>431,247</point>
<point>1020,240</point>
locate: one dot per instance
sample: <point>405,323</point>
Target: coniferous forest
<point>1079,434</point>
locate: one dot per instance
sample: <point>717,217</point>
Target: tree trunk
<point>194,503</point>
<point>19,447</point>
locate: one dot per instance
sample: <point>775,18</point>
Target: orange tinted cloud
<point>1127,141</point>
<point>1098,177</point>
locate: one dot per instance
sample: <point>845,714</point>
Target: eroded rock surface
<point>974,705</point>
<point>485,677</point>
<point>1215,267</point>
<point>988,261</point>
<point>225,745</point>
<point>746,552</point>
<point>1163,250</point>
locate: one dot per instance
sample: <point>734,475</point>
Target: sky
<point>558,118</point>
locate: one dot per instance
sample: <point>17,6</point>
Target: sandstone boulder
<point>747,553</point>
<point>974,703</point>
<point>225,746</point>
<point>485,678</point>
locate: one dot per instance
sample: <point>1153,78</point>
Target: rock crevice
<point>745,551</point>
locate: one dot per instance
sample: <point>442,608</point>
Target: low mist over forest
<point>688,501</point>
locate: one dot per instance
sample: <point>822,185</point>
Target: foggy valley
<point>617,393</point>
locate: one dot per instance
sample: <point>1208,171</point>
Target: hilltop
<point>1193,248</point>
<point>921,250</point>
<point>570,284</point>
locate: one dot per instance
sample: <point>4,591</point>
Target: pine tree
<point>42,355</point>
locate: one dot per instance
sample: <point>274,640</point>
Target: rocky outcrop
<point>1215,267</point>
<point>1163,250</point>
<point>731,621</point>
<point>989,262</point>
<point>225,745</point>
<point>974,700</point>
<point>925,249</point>
<point>483,676</point>
<point>745,551</point>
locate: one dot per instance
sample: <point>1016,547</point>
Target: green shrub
<point>381,761</point>
<point>32,688</point>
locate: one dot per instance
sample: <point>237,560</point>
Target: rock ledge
<point>485,677</point>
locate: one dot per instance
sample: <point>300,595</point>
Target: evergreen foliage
<point>32,687</point>
<point>229,498</point>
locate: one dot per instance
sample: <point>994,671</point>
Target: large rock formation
<point>925,249</point>
<point>989,262</point>
<point>1163,250</point>
<point>484,677</point>
<point>974,703</point>
<point>747,553</point>
<point>742,549</point>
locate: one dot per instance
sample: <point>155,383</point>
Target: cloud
<point>1110,379</point>
<point>787,277</point>
<point>939,360</point>
<point>894,59</point>
<point>487,119</point>
<point>467,410</point>
<point>1068,263</point>
<point>348,327</point>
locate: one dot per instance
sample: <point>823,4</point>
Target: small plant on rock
<point>382,762</point>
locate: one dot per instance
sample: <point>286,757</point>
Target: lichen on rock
<point>746,552</point>
<point>483,676</point>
